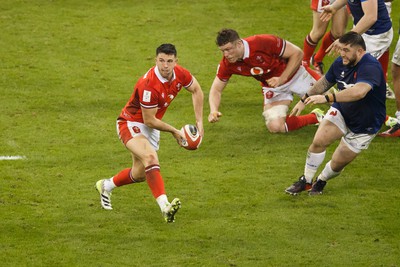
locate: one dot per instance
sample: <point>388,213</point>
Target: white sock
<point>312,163</point>
<point>397,114</point>
<point>162,201</point>
<point>109,184</point>
<point>327,173</point>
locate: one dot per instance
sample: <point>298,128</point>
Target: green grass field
<point>68,67</point>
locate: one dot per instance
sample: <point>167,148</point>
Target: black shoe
<point>318,66</point>
<point>317,188</point>
<point>392,132</point>
<point>299,186</point>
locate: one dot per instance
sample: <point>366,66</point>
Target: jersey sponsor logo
<point>178,87</point>
<point>146,96</point>
<point>239,69</point>
<point>256,71</point>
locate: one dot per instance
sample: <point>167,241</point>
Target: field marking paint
<point>12,157</point>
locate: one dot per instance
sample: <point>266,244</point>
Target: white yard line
<point>12,157</point>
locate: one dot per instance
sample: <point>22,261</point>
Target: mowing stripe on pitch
<point>12,157</point>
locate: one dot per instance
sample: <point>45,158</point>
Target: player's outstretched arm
<point>215,99</point>
<point>294,56</point>
<point>150,120</point>
<point>198,103</point>
<point>370,9</point>
<point>354,93</point>
<point>330,10</point>
<point>320,87</point>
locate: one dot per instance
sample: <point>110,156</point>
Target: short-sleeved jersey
<point>262,59</point>
<point>382,25</point>
<point>367,114</point>
<point>317,5</point>
<point>154,91</point>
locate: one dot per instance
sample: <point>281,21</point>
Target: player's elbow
<point>372,18</point>
<point>198,93</point>
<point>149,122</point>
<point>359,94</point>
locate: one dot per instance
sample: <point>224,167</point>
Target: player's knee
<point>150,159</point>
<point>275,118</point>
<point>276,126</point>
<point>318,144</point>
<point>139,179</point>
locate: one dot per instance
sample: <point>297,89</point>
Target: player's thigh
<point>339,23</point>
<point>319,27</point>
<point>326,134</point>
<point>342,156</point>
<point>142,150</point>
<point>378,44</point>
<point>396,55</point>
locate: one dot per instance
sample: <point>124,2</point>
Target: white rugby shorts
<point>378,44</point>
<point>355,142</point>
<point>396,54</point>
<point>129,129</point>
<point>299,84</point>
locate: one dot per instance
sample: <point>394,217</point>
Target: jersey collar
<point>246,49</point>
<point>161,78</point>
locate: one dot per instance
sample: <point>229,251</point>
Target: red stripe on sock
<point>308,49</point>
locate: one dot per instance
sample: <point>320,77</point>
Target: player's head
<point>352,39</point>
<point>230,44</point>
<point>352,48</point>
<point>226,36</point>
<point>168,49</point>
<point>166,60</point>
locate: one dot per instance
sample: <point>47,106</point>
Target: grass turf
<point>68,67</point>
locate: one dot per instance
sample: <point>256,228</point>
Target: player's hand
<point>180,137</point>
<point>297,109</point>
<point>214,116</point>
<point>327,13</point>
<point>334,48</point>
<point>315,99</point>
<point>274,82</point>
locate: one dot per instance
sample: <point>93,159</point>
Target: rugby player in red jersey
<point>140,123</point>
<point>276,64</point>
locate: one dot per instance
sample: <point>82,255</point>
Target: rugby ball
<point>193,138</point>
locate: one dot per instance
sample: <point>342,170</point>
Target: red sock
<point>154,180</point>
<point>327,40</point>
<point>297,122</point>
<point>312,72</point>
<point>384,60</point>
<point>123,177</point>
<point>308,49</point>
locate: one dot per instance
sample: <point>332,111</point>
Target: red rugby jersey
<point>154,91</point>
<point>262,59</point>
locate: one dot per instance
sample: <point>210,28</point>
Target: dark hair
<point>226,36</point>
<point>168,49</point>
<point>352,38</point>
